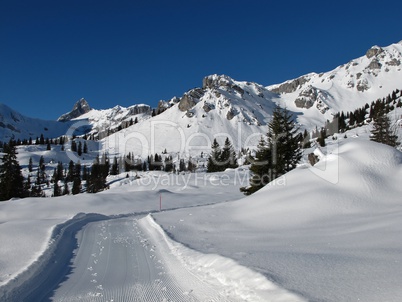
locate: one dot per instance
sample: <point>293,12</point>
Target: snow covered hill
<point>329,232</point>
<point>316,97</point>
<point>14,125</point>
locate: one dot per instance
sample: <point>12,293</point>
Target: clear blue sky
<point>52,53</point>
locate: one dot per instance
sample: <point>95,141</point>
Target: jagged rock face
<point>230,115</point>
<point>221,81</point>
<point>208,107</point>
<point>374,64</point>
<point>138,109</point>
<point>362,85</point>
<point>80,108</point>
<point>310,96</point>
<point>393,62</point>
<point>291,86</point>
<point>374,51</point>
<point>306,98</point>
<point>190,98</point>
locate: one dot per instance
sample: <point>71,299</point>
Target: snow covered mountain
<point>106,121</point>
<point>348,87</point>
<point>14,125</point>
<point>238,109</point>
<point>221,108</point>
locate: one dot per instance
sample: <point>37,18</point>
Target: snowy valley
<point>323,232</point>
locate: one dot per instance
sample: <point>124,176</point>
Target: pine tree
<point>182,165</point>
<point>284,142</point>
<point>192,165</point>
<point>214,164</point>
<point>261,168</point>
<point>73,146</point>
<point>228,158</point>
<point>56,189</point>
<point>59,171</point>
<point>79,148</point>
<point>41,140</point>
<point>85,148</point>
<point>382,131</point>
<point>11,179</point>
<point>42,164</point>
<point>169,164</point>
<point>30,164</point>
<point>97,179</point>
<point>70,173</point>
<point>278,155</point>
<point>66,190</point>
<point>115,167</point>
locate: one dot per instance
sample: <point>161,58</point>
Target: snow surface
<point>309,236</point>
<point>325,240</point>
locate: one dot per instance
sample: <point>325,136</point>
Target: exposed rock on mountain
<point>80,108</point>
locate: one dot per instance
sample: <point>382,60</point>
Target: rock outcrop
<point>80,108</point>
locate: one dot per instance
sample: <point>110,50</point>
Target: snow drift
<point>325,241</point>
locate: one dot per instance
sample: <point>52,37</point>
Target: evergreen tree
<point>284,142</point>
<point>382,131</point>
<point>158,164</point>
<point>76,185</point>
<point>261,168</point>
<point>11,179</point>
<point>56,189</point>
<point>30,168</point>
<point>79,148</point>
<point>213,164</point>
<point>97,179</point>
<point>59,171</point>
<point>73,146</point>
<point>228,158</point>
<point>192,165</point>
<point>115,167</point>
<point>70,172</point>
<point>182,165</point>
<point>277,155</point>
<point>41,140</point>
<point>66,190</point>
<point>169,164</point>
<point>42,164</point>
<point>36,191</point>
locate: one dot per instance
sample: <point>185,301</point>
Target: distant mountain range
<point>223,105</point>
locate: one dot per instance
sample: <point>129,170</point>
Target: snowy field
<point>325,233</point>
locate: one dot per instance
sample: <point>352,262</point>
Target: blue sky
<point>52,53</point>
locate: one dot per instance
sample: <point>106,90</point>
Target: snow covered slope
<point>348,87</point>
<point>14,125</point>
<point>329,232</point>
<point>222,108</point>
<point>236,109</point>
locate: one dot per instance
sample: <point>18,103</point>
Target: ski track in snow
<point>118,260</point>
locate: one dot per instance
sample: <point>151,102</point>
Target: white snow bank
<point>233,281</point>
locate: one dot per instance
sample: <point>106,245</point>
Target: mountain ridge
<point>313,98</point>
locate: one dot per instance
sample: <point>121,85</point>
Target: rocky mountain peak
<point>374,51</point>
<point>81,107</point>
